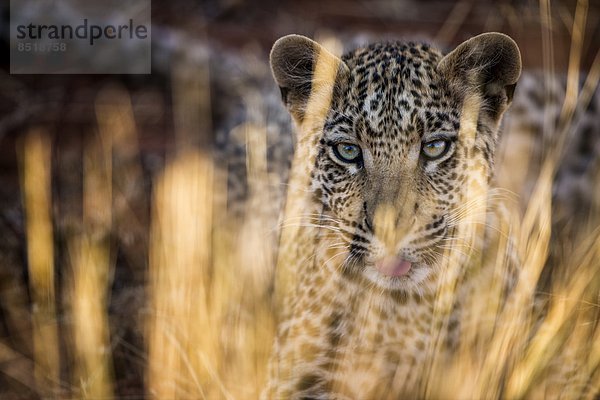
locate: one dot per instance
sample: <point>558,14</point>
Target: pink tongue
<point>393,266</point>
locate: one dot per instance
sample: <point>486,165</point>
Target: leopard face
<point>391,160</point>
<point>390,141</point>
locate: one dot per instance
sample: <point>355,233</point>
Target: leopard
<point>393,139</point>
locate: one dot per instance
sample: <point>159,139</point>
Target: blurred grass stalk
<point>92,268</point>
<point>182,334</point>
<point>37,202</point>
<point>296,240</point>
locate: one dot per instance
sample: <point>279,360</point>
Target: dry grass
<point>211,315</point>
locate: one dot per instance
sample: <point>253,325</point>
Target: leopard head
<point>402,130</point>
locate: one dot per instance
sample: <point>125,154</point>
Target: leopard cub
<point>395,139</point>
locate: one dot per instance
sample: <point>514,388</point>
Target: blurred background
<point>85,160</point>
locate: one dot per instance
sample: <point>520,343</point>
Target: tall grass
<point>211,312</point>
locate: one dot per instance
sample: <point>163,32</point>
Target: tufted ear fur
<point>489,63</point>
<point>293,62</point>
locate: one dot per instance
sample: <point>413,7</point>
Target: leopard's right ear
<point>294,61</point>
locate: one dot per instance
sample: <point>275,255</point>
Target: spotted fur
<point>351,331</point>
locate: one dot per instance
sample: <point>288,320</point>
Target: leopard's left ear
<point>489,63</point>
<point>294,61</point>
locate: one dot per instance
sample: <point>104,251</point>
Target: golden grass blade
<point>465,254</point>
<point>579,24</point>
<point>92,266</point>
<point>181,324</point>
<point>297,204</point>
<point>93,354</point>
<point>37,202</point>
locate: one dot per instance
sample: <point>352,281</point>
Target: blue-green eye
<point>435,148</point>
<point>348,152</point>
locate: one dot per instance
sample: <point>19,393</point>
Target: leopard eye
<point>435,149</point>
<point>348,152</point>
